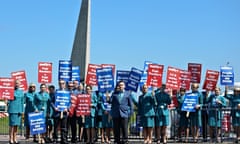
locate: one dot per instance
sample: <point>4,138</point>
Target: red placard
<point>109,65</point>
<point>211,80</point>
<point>44,72</point>
<point>6,88</point>
<point>173,78</point>
<point>154,75</point>
<point>174,102</point>
<point>195,70</point>
<point>91,74</point>
<point>74,101</point>
<point>185,79</point>
<point>83,105</point>
<point>21,76</point>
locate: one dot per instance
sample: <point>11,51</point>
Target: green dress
<point>15,108</point>
<point>184,121</point>
<point>29,106</point>
<point>146,105</point>
<point>195,117</point>
<point>41,100</point>
<point>235,111</point>
<point>162,112</point>
<point>215,113</point>
<point>90,120</point>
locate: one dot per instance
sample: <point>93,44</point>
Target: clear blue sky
<point>123,32</point>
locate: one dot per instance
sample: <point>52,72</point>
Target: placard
<point>189,102</point>
<point>211,80</point>
<point>134,79</point>
<point>84,105</point>
<point>21,76</point>
<point>105,79</point>
<point>195,70</point>
<point>37,123</point>
<point>76,73</point>
<point>65,70</point>
<point>227,75</point>
<point>154,75</point>
<point>173,78</point>
<point>62,99</point>
<point>7,88</point>
<point>122,75</point>
<point>44,72</point>
<point>91,78</point>
<point>185,79</point>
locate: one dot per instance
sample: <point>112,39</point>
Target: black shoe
<point>11,142</point>
<point>16,142</point>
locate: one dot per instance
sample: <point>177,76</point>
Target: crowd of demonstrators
<point>110,112</point>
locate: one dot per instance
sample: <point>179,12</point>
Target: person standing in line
<point>107,120</point>
<point>163,99</point>
<point>15,111</point>
<point>195,117</point>
<point>234,100</point>
<point>50,121</point>
<point>90,120</point>
<point>81,120</point>
<point>41,100</point>
<point>60,118</point>
<point>204,114</point>
<point>73,87</point>
<point>216,102</point>
<point>29,108</point>
<point>99,115</point>
<point>121,110</point>
<point>184,121</point>
<point>146,105</point>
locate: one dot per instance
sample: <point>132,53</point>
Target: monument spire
<point>81,46</point>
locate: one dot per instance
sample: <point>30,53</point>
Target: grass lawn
<point>4,125</point>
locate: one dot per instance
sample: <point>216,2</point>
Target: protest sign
<point>173,78</point>
<point>6,88</point>
<point>62,99</point>
<point>84,105</point>
<point>37,123</point>
<point>189,102</point>
<point>105,79</point>
<point>134,79</point>
<point>154,75</point>
<point>195,70</point>
<point>91,78</point>
<point>211,80</point>
<point>76,73</point>
<point>227,75</point>
<point>65,70</point>
<point>21,76</point>
<point>44,72</point>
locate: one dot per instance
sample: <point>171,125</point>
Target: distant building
<point>81,46</point>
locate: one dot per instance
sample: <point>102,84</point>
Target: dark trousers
<point>73,123</point>
<point>120,123</point>
<point>204,124</point>
<point>63,128</point>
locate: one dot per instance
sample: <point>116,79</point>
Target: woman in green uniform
<point>15,111</point>
<point>146,105</point>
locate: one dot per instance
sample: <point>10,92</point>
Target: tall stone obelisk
<point>81,47</point>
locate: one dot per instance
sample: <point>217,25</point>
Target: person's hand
<point>218,101</point>
<point>36,111</point>
<point>105,112</point>
<point>238,106</point>
<point>197,106</point>
<point>56,109</point>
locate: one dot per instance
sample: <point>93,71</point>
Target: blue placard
<point>62,99</point>
<point>190,101</point>
<point>65,70</point>
<point>37,123</point>
<point>134,79</point>
<point>106,104</point>
<point>76,73</point>
<point>144,75</point>
<point>105,79</point>
<point>227,75</point>
<point>122,75</point>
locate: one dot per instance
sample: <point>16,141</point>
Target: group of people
<point>152,109</point>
